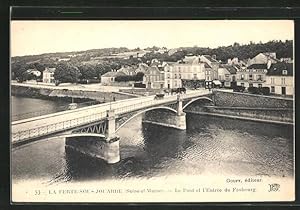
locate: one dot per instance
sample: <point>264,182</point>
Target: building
<point>154,78</point>
<point>286,60</point>
<point>142,67</point>
<point>263,58</point>
<point>63,59</point>
<point>109,77</point>
<point>172,51</point>
<point>128,70</point>
<point>190,68</point>
<point>35,72</point>
<point>233,61</point>
<point>211,72</point>
<point>227,75</point>
<point>48,75</point>
<point>253,76</point>
<point>280,79</point>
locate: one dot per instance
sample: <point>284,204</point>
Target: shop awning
<point>217,82</point>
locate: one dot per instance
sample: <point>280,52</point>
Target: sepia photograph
<point>152,111</point>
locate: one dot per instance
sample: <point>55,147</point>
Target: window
<point>195,76</point>
<point>259,78</point>
<point>168,76</point>
<point>283,90</point>
<point>284,72</point>
<point>250,76</point>
<point>283,81</point>
<point>250,85</point>
<point>259,85</point>
<point>242,84</point>
<point>175,76</point>
<point>272,89</point>
<point>272,80</point>
<point>179,76</point>
<point>242,77</point>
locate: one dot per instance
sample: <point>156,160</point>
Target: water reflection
<point>209,146</point>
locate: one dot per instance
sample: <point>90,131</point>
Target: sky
<point>37,37</point>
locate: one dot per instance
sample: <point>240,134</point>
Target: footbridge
<point>98,124</point>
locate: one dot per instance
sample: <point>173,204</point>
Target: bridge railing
<point>56,127</point>
<point>50,111</point>
<point>142,105</point>
<point>146,104</point>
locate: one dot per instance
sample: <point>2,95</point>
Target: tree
<point>139,76</point>
<point>18,71</point>
<point>87,72</point>
<point>66,72</point>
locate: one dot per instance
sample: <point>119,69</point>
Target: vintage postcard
<point>152,111</point>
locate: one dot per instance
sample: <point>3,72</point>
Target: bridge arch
<point>64,135</point>
<point>143,111</point>
<point>197,99</point>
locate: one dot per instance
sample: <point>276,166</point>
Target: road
<point>42,125</point>
<point>69,86</point>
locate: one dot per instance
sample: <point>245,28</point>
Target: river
<point>209,145</point>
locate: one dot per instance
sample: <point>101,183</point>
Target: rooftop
<point>276,69</point>
<point>51,70</point>
<point>113,74</point>
<point>231,68</point>
<point>211,59</point>
<point>258,66</point>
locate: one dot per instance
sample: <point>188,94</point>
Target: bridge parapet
<point>55,127</point>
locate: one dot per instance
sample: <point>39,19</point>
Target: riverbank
<point>66,93</point>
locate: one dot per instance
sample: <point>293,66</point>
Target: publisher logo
<point>274,187</point>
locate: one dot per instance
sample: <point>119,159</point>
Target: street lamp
<point>110,103</point>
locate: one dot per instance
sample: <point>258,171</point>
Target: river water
<point>209,145</point>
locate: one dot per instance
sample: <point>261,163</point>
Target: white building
<point>190,68</point>
<point>263,58</point>
<point>227,74</point>
<point>48,75</point>
<point>280,79</point>
<point>35,72</point>
<point>109,77</point>
<point>211,72</point>
<point>253,76</point>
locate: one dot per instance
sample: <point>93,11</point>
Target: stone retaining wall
<point>233,99</point>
